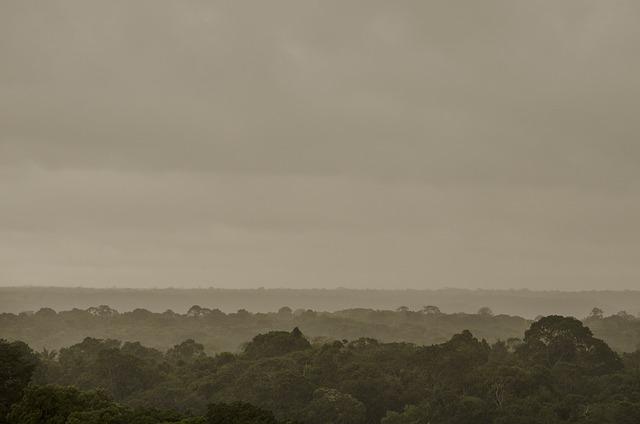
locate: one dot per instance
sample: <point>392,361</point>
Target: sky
<point>300,144</point>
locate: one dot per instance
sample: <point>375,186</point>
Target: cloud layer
<point>320,144</point>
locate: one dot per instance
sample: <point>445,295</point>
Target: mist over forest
<point>524,303</point>
<point>225,330</point>
<point>354,366</point>
<point>319,212</point>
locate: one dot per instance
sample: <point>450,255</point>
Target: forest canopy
<point>220,332</point>
<point>556,372</point>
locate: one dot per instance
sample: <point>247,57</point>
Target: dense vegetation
<point>557,372</point>
<point>226,332</point>
<point>220,332</point>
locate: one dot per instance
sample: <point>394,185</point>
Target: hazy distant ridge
<point>525,303</point>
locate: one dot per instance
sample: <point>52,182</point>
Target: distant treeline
<point>556,372</point>
<point>524,303</point>
<point>220,332</point>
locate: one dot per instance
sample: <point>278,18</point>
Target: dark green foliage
<point>17,364</point>
<point>556,339</point>
<point>186,351</point>
<point>54,404</point>
<point>276,343</point>
<point>330,406</point>
<point>97,363</point>
<point>558,373</point>
<point>267,382</point>
<point>136,349</point>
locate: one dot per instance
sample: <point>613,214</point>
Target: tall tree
<point>554,339</point>
<point>17,363</point>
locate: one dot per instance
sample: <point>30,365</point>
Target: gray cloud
<point>320,143</point>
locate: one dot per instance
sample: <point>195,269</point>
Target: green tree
<point>330,406</point>
<point>431,310</point>
<point>48,355</point>
<point>81,356</point>
<point>596,313</point>
<point>265,382</point>
<point>186,351</point>
<point>54,404</point>
<point>17,364</point>
<point>555,339</point>
<point>485,310</point>
<point>276,343</point>
<point>285,312</point>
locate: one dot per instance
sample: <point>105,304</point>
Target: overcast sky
<point>395,144</point>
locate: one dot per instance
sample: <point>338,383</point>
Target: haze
<point>320,144</point>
